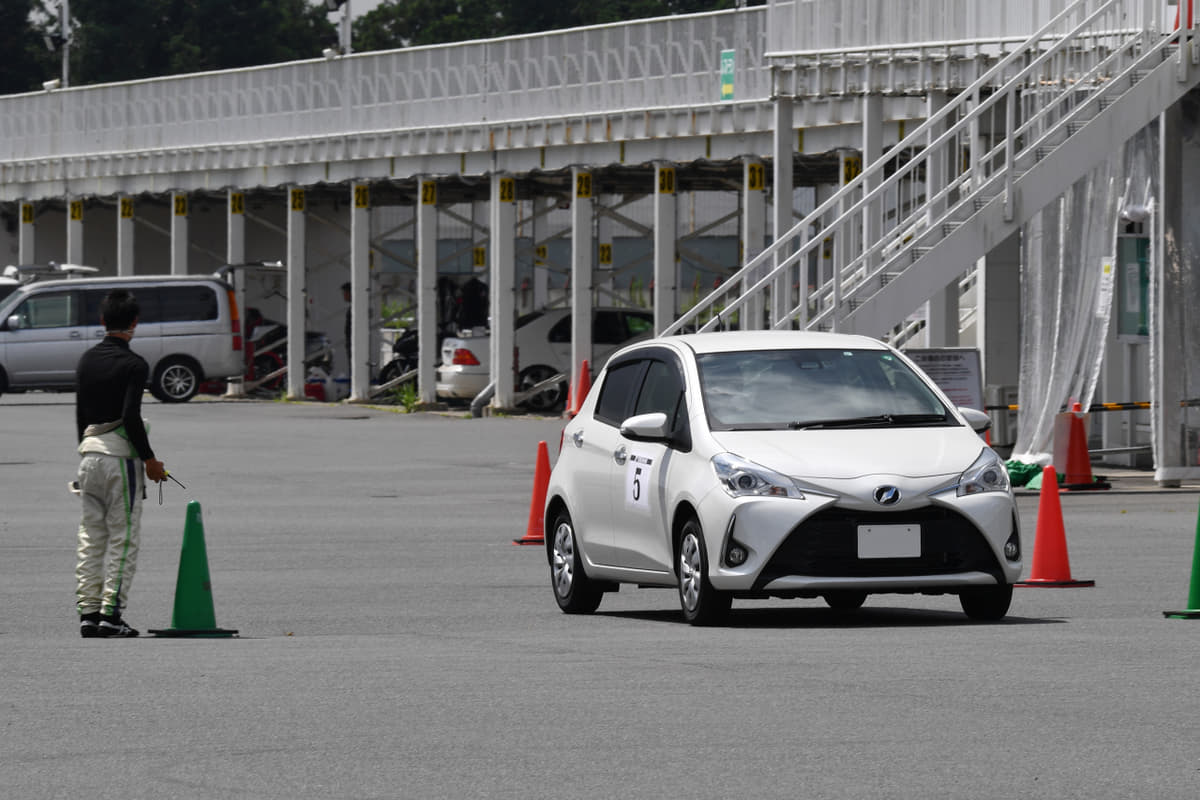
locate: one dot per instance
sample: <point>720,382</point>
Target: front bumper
<point>806,547</point>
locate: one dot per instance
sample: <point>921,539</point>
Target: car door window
<point>618,390</point>
<point>561,332</point>
<point>662,391</point>
<point>49,310</point>
<point>608,328</point>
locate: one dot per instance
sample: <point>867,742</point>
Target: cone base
<point>1193,613</point>
<point>179,633</point>
<point>1041,582</point>
<point>528,540</point>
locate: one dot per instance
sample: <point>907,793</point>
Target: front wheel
<point>986,603</point>
<point>575,592</point>
<point>701,603</point>
<point>175,381</point>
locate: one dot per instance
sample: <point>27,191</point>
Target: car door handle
<point>577,438</point>
<point>620,454</point>
<point>76,335</point>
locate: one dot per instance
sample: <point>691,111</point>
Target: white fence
<point>650,64</point>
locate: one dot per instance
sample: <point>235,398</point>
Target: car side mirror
<point>978,420</point>
<point>13,323</point>
<point>652,427</point>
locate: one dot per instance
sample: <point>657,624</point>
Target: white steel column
<point>179,233</point>
<point>784,183</point>
<point>75,231</point>
<point>235,253</point>
<point>125,235</point>
<point>360,292</point>
<point>297,265</point>
<point>666,271</point>
<point>502,233</point>
<point>427,258</point>
<point>581,278</point>
<point>605,288</point>
<point>754,233</point>
<point>872,149</point>
<point>26,235</point>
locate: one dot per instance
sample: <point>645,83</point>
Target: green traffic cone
<point>193,614</point>
<point>1193,609</point>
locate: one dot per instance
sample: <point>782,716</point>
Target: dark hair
<point>119,310</point>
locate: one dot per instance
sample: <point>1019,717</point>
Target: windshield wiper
<point>876,420</point>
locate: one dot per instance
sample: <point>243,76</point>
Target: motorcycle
<point>267,352</point>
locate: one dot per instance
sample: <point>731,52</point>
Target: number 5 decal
<point>637,482</point>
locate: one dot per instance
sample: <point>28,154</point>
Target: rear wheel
<point>175,381</point>
<point>701,603</point>
<point>548,400</point>
<point>986,603</point>
<point>575,592</point>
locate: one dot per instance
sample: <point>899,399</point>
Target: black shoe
<point>89,625</point>
<point>115,627</point>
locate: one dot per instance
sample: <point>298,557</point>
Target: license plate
<point>889,541</point>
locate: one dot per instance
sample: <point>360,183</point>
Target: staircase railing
<point>937,177</point>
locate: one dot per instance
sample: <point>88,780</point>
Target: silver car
<point>777,464</point>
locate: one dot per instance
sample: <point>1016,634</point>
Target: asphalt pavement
<point>395,644</point>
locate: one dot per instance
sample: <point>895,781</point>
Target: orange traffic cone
<point>1079,463</point>
<point>585,386</point>
<point>535,530</point>
<point>1051,566</point>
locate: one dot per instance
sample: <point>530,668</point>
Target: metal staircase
<point>919,217</point>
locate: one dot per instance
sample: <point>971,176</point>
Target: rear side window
<point>147,300</point>
<point>616,395</point>
<point>187,303</point>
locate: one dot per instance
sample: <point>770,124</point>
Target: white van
<point>188,332</point>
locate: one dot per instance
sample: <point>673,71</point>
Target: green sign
<point>726,74</point>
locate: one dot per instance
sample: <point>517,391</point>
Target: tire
<point>393,369</point>
<point>575,592</point>
<point>3,381</point>
<point>549,400</point>
<point>265,364</point>
<point>987,603</point>
<point>846,600</point>
<point>176,380</point>
<point>701,603</point>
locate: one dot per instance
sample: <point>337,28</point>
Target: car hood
<point>849,454</point>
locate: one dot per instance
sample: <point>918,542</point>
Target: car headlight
<point>742,478</point>
<point>987,474</point>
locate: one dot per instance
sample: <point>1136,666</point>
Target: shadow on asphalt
<point>827,618</point>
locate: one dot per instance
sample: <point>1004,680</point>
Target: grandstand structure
<point>869,166</point>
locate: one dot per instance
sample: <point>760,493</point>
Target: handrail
<point>1018,70</point>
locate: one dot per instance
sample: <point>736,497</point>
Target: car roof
<point>736,341</point>
<point>84,283</point>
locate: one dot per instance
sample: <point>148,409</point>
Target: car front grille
<point>826,545</point>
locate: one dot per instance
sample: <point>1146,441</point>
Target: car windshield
<point>813,389</point>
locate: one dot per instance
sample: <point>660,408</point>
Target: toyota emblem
<point>887,495</point>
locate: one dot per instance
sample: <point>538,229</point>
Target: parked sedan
<point>777,464</point>
<point>543,341</point>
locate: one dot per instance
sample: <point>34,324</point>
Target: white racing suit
<point>112,487</point>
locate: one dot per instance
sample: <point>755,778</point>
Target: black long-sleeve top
<point>110,379</point>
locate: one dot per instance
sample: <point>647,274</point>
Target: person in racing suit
<point>114,449</point>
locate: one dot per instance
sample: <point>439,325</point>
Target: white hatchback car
<point>543,342</point>
<point>777,464</point>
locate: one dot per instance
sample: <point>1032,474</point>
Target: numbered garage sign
<point>637,482</point>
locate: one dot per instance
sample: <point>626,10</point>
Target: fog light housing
<point>1012,548</point>
<point>736,554</point>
